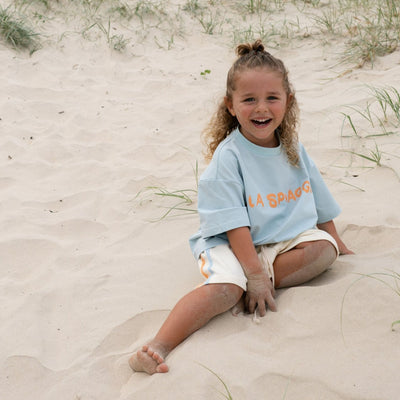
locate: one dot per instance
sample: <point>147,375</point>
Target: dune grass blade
<point>372,159</point>
<point>365,114</point>
<point>176,208</point>
<point>348,118</point>
<point>351,185</point>
<point>192,7</point>
<point>395,323</point>
<point>183,197</point>
<point>385,133</point>
<point>375,156</point>
<point>374,31</point>
<point>228,394</point>
<point>388,98</point>
<point>15,31</point>
<point>179,194</point>
<point>378,276</point>
<point>211,22</point>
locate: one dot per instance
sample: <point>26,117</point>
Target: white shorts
<point>220,265</point>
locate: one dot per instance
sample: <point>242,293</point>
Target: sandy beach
<point>90,266</point>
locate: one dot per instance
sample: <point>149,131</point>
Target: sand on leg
<point>303,263</point>
<point>190,313</point>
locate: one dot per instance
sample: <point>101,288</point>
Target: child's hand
<point>259,292</point>
<point>345,251</point>
<point>331,229</point>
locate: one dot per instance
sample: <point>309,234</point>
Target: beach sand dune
<point>89,269</point>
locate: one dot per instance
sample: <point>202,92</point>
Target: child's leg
<point>191,313</point>
<point>303,263</point>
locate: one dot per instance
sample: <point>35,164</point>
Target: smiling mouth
<point>261,122</point>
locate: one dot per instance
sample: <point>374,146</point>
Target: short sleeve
<point>325,204</point>
<point>221,198</point>
<point>221,207</point>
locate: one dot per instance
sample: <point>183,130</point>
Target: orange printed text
<point>274,199</point>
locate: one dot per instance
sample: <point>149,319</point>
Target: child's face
<point>259,102</point>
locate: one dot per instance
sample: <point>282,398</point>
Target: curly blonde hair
<point>222,123</point>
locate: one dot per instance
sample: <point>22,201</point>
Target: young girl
<point>266,216</point>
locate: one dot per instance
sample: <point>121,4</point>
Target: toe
<point>158,358</point>
<point>150,352</point>
<point>162,368</point>
<point>145,348</point>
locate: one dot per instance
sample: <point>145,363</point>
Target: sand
<point>87,276</point>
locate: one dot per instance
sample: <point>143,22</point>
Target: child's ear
<point>229,105</point>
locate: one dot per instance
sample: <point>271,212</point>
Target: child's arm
<point>259,286</point>
<point>331,229</point>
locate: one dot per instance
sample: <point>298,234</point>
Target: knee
<point>230,293</point>
<point>328,252</point>
<point>322,254</point>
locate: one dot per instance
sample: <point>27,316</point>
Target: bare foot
<point>149,360</point>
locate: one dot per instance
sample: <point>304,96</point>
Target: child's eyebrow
<point>248,94</point>
<point>274,92</point>
<point>251,94</point>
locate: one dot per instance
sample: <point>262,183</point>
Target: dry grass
<point>367,29</point>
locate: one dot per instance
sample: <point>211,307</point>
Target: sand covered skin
<point>112,101</point>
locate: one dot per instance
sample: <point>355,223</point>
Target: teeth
<point>261,121</point>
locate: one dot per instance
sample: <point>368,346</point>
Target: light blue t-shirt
<point>249,185</point>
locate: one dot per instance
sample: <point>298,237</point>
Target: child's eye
<point>249,100</point>
<point>272,98</point>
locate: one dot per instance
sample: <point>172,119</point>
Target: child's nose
<point>262,106</point>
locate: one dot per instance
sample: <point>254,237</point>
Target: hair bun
<point>247,48</point>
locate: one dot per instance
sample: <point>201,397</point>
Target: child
<point>266,216</point>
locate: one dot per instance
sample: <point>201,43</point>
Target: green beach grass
<point>372,124</point>
<point>16,31</point>
<point>363,30</point>
<point>366,29</point>
<point>389,279</point>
